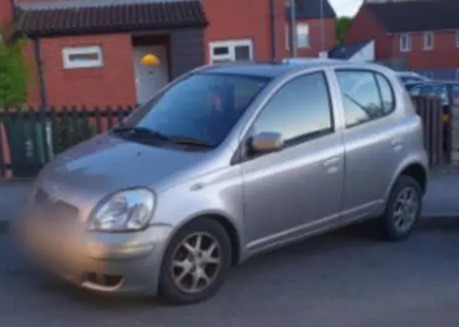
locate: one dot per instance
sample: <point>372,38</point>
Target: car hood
<point>107,164</point>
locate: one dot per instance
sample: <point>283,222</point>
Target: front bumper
<point>102,262</point>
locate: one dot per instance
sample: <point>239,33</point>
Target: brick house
<point>316,22</point>
<point>92,52</point>
<point>419,35</point>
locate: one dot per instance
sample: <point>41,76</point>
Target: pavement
<point>344,279</point>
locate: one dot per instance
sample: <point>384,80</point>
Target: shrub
<point>13,74</point>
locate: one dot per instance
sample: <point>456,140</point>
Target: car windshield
<point>202,108</point>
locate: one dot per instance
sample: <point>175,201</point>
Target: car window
<point>428,91</point>
<point>300,109</point>
<point>415,91</point>
<point>441,91</point>
<point>366,96</point>
<point>387,95</point>
<point>203,106</point>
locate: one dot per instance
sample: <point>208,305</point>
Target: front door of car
<point>288,192</point>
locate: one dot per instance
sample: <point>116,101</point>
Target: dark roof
<point>346,51</point>
<point>308,9</point>
<point>416,15</point>
<point>112,18</point>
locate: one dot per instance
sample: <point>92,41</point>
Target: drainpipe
<point>272,11</point>
<point>322,29</point>
<point>13,9</point>
<point>292,4</point>
<point>41,78</point>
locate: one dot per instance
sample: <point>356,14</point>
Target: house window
<point>234,50</point>
<point>429,38</point>
<point>405,42</point>
<point>302,36</point>
<point>82,57</point>
<point>457,74</point>
<point>457,39</point>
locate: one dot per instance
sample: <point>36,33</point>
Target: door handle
<point>331,162</point>
<point>397,143</point>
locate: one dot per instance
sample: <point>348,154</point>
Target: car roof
<point>434,82</point>
<point>270,69</point>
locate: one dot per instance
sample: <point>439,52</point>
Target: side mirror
<point>266,142</point>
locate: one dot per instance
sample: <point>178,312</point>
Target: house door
<point>150,78</point>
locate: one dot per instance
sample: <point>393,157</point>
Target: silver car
<point>227,162</point>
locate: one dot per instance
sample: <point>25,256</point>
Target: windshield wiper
<point>182,140</point>
<point>141,132</point>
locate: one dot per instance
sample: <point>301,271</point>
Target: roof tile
<point>416,15</point>
<point>112,18</point>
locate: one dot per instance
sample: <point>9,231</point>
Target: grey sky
<point>346,7</point>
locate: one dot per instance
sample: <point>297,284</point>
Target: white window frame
<point>75,64</point>
<point>288,32</point>
<point>231,45</point>
<point>408,39</point>
<point>299,26</point>
<point>427,45</point>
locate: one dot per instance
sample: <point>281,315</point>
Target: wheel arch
<point>413,169</point>
<point>227,223</point>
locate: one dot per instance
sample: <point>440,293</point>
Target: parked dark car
<point>447,91</point>
<point>410,77</point>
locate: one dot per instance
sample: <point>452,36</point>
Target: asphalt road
<point>342,279</point>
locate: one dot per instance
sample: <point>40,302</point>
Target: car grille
<point>57,208</point>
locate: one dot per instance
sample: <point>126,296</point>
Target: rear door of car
<point>372,138</point>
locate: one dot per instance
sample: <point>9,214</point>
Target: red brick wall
<point>444,55</point>
<point>315,37</point>
<point>242,19</point>
<point>6,13</point>
<point>365,28</point>
<point>112,84</point>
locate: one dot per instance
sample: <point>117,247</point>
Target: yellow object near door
<point>150,60</point>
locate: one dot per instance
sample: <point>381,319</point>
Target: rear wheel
<point>196,262</point>
<point>403,209</point>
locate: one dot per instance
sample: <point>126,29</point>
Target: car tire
<point>196,262</point>
<point>403,209</point>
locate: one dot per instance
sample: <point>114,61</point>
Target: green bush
<point>13,75</point>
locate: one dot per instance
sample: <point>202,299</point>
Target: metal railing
<point>30,137</point>
<point>435,127</point>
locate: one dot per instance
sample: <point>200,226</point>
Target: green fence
<point>30,137</point>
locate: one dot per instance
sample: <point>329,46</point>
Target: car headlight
<point>128,210</point>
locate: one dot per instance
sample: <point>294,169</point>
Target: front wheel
<point>403,209</point>
<point>196,262</point>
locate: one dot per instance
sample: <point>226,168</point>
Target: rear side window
<point>366,96</point>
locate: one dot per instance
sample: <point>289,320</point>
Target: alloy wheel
<point>196,262</point>
<point>406,209</point>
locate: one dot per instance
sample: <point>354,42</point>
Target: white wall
<point>367,53</point>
